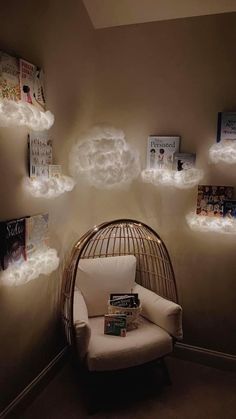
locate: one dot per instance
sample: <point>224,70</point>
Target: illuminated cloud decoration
<point>208,224</point>
<point>183,179</point>
<point>14,114</point>
<point>43,261</point>
<point>49,187</point>
<point>104,159</point>
<point>224,151</point>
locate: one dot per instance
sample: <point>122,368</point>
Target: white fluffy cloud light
<point>224,151</point>
<point>209,224</point>
<point>20,113</point>
<point>43,261</point>
<point>104,159</point>
<point>183,179</point>
<point>49,187</point>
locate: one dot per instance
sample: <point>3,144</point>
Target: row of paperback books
<point>40,156</point>
<point>21,80</point>
<point>163,153</point>
<point>116,324</point>
<point>19,238</point>
<point>216,201</point>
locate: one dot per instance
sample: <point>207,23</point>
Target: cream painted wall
<point>169,77</point>
<point>172,78</point>
<point>59,37</point>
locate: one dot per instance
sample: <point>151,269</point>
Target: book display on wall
<point>166,165</point>
<point>22,94</point>
<point>160,151</point>
<point>24,250</point>
<point>40,154</point>
<point>210,199</point>
<point>224,150</point>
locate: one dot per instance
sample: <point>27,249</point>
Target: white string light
<point>42,261</point>
<point>14,114</point>
<point>209,224</point>
<point>224,151</point>
<point>183,179</point>
<point>48,187</point>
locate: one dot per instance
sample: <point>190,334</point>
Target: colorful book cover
<point>184,161</point>
<point>210,199</point>
<point>32,84</point>
<point>160,151</point>
<point>9,77</point>
<point>40,154</point>
<point>115,324</point>
<point>12,242</point>
<point>54,170</point>
<point>229,209</point>
<point>226,126</point>
<point>37,232</point>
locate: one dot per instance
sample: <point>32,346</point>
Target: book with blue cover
<point>115,324</point>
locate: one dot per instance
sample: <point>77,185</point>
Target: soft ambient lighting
<point>49,187</point>
<point>183,179</point>
<point>208,224</point>
<point>14,114</point>
<point>224,151</point>
<point>103,158</point>
<point>43,261</point>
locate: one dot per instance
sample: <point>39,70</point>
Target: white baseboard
<point>34,383</point>
<point>205,356</point>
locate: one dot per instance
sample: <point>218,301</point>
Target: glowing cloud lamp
<point>211,224</point>
<point>48,187</point>
<point>183,179</point>
<point>224,151</point>
<point>15,114</point>
<point>43,261</point>
<point>104,159</point>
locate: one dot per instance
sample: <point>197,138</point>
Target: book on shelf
<point>226,126</point>
<point>184,161</point>
<point>127,300</point>
<point>229,208</point>
<point>37,232</point>
<point>115,324</point>
<point>160,151</point>
<point>32,84</point>
<point>54,170</point>
<point>40,154</point>
<point>9,77</point>
<point>12,242</point>
<point>210,199</point>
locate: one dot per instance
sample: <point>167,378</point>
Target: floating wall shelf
<point>49,187</point>
<point>43,261</point>
<point>224,151</point>
<point>211,224</point>
<point>19,114</point>
<point>183,179</point>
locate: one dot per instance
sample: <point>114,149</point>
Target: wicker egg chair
<point>116,238</point>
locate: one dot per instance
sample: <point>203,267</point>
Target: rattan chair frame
<point>116,238</point>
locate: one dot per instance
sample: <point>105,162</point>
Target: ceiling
<point>106,13</point>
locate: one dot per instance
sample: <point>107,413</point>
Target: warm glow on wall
<point>42,261</point>
<point>209,224</point>
<point>183,179</point>
<point>104,159</point>
<point>48,187</point>
<point>14,114</point>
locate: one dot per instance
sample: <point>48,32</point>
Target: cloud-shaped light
<point>15,114</point>
<point>224,151</point>
<point>208,224</point>
<point>49,187</point>
<point>183,179</point>
<point>43,261</point>
<point>104,159</point>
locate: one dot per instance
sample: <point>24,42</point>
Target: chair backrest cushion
<point>98,278</point>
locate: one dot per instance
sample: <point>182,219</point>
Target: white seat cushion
<point>97,278</point>
<point>106,352</point>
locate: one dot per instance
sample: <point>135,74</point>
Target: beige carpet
<point>197,392</point>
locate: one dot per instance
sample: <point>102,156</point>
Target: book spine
<point>219,125</point>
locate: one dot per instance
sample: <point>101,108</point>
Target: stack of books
<point>116,323</point>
